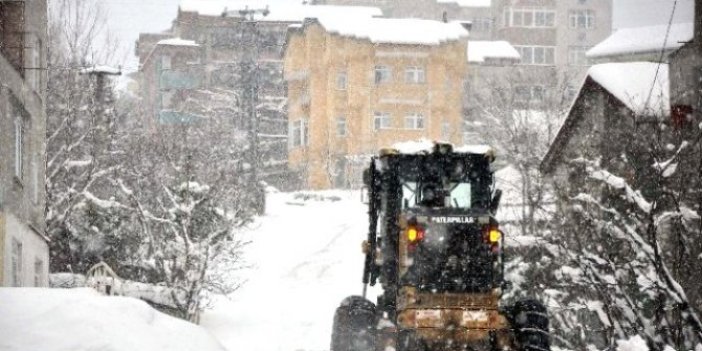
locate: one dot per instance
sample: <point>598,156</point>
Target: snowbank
<point>479,51</point>
<point>631,83</point>
<point>635,343</point>
<point>641,40</point>
<point>83,320</point>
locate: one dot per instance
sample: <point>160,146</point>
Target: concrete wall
<point>34,249</point>
<point>22,98</point>
<point>313,59</point>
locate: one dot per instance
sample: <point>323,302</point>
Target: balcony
<point>172,79</point>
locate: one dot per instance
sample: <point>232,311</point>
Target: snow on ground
<point>306,257</point>
<point>83,320</point>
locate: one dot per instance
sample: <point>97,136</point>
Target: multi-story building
<point>202,53</point>
<point>24,250</point>
<point>552,36</point>
<point>360,85</point>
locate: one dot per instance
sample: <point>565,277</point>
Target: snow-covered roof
<point>636,84</point>
<point>177,42</point>
<point>467,3</point>
<point>426,146</point>
<point>479,51</point>
<point>101,69</point>
<point>277,12</point>
<point>641,40</point>
<point>396,30</point>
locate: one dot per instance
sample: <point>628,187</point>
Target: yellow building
<point>357,86</point>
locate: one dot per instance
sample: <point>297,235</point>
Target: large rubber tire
<point>407,341</point>
<point>530,322</point>
<point>354,328</point>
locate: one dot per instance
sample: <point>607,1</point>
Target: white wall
<point>34,247</point>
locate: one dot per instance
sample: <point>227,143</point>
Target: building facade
<point>552,36</point>
<point>202,58</point>
<point>355,87</point>
<point>24,250</point>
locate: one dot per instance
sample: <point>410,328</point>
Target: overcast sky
<point>128,18</point>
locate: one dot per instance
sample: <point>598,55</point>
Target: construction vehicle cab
<point>436,249</point>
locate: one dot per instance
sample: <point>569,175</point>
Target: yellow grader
<point>436,249</point>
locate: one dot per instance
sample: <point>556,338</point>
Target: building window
<point>537,55</point>
<point>415,75</point>
<point>382,74</point>
<point>341,80</point>
<point>529,93</point>
<point>341,126</point>
<point>298,133</point>
<point>381,120</point>
<point>19,143</point>
<point>582,19</point>
<point>33,52</point>
<point>414,121</point>
<point>481,25</point>
<point>16,258</point>
<point>165,62</point>
<point>530,18</point>
<point>36,182</point>
<point>38,272</point>
<point>577,55</point>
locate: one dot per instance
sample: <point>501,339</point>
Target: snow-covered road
<point>306,257</point>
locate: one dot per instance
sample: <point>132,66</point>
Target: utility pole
<point>250,76</point>
<point>104,126</point>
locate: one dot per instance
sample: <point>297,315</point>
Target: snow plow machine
<point>436,248</point>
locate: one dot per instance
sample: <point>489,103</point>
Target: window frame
<point>414,121</point>
<point>588,17</point>
<point>342,80</point>
<point>516,17</point>
<point>19,148</point>
<point>341,127</point>
<point>574,57</point>
<point>382,74</point>
<point>38,272</point>
<point>382,121</point>
<point>16,262</point>
<point>547,51</point>
<point>415,75</point>
<point>530,93</point>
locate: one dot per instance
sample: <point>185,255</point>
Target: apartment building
<point>360,85</point>
<point>24,249</point>
<point>200,57</point>
<point>552,36</point>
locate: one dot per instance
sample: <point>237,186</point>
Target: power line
<point>660,58</point>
